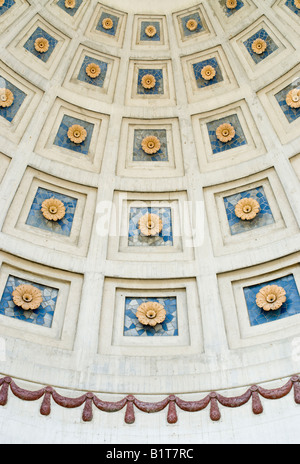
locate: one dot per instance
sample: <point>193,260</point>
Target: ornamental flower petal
<point>70,4</point>
<point>148,82</point>
<point>259,46</point>
<point>93,70</point>
<point>41,45</point>
<point>192,25</point>
<point>208,73</point>
<point>297,4</point>
<point>150,225</point>
<point>107,23</point>
<point>150,31</point>
<point>231,4</point>
<point>2,2</point>
<point>77,134</point>
<point>151,313</point>
<point>247,209</point>
<point>53,209</point>
<point>293,98</point>
<point>271,298</point>
<point>225,133</point>
<point>6,98</point>
<point>151,145</point>
<point>27,297</point>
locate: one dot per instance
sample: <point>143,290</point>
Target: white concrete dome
<point>149,190</point>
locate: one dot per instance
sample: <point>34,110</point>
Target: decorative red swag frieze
<point>89,400</point>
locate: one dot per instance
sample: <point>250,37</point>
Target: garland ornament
<point>88,402</point>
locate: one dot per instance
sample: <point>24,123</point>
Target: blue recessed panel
<point>62,139</point>
<point>30,44</point>
<point>291,5</point>
<point>144,37</point>
<point>133,328</point>
<point>159,86</point>
<point>231,11</point>
<point>42,316</point>
<point>6,6</point>
<point>258,316</point>
<point>98,81</point>
<point>291,114</point>
<point>19,97</point>
<point>238,141</point>
<point>198,67</point>
<point>37,219</point>
<point>264,218</point>
<point>70,11</point>
<point>271,46</point>
<point>115,21</point>
<point>138,152</point>
<point>186,19</point>
<point>136,238</point>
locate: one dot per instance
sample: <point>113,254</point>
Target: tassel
<point>172,413</point>
<point>297,392</point>
<point>129,415</point>
<point>4,394</point>
<point>46,404</point>
<point>257,406</point>
<point>87,415</point>
<point>215,414</point>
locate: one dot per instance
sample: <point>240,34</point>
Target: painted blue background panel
<point>42,316</point>
<point>258,316</point>
<point>133,328</point>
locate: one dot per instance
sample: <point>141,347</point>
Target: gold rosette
<point>151,313</point>
<point>53,209</point>
<point>247,209</point>
<point>27,297</point>
<point>150,225</point>
<point>225,133</point>
<point>271,298</point>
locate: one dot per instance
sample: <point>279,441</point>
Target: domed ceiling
<point>149,214</point>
